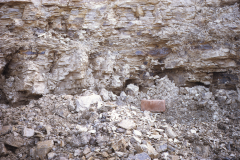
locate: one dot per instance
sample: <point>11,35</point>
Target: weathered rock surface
<point>73,74</point>
<point>55,47</point>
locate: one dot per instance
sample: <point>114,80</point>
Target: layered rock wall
<point>65,47</point>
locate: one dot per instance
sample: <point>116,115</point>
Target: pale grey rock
<point>140,156</point>
<point>84,102</point>
<point>165,155</point>
<point>151,151</point>
<point>86,151</point>
<point>120,154</point>
<point>48,129</point>
<point>104,94</point>
<point>127,124</point>
<point>162,147</point>
<point>77,152</point>
<point>51,155</point>
<point>123,96</point>
<point>71,106</point>
<point>81,128</point>
<point>135,140</point>
<point>28,132</point>
<point>132,90</point>
<point>112,96</point>
<point>137,133</point>
<point>170,132</point>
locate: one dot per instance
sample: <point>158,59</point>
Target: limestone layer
<point>67,46</point>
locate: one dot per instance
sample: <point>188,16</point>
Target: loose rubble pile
<point>196,125</point>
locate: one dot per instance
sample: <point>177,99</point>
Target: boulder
<point>83,103</point>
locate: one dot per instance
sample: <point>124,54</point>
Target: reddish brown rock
<point>153,105</point>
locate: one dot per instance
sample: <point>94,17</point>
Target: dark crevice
<point>54,62</point>
<point>11,148</point>
<point>228,3</point>
<point>25,98</point>
<point>223,80</point>
<point>130,81</point>
<point>192,84</point>
<point>6,71</point>
<point>3,99</point>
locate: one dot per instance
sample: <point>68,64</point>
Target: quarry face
<point>73,74</point>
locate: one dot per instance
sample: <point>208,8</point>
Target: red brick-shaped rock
<point>153,105</point>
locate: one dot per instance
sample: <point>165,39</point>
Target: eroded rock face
<point>84,67</point>
<point>66,46</point>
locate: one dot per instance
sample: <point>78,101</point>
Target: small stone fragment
<point>71,106</point>
<point>105,154</point>
<point>62,144</point>
<point>120,154</point>
<point>120,145</point>
<point>43,147</point>
<point>162,147</point>
<point>86,151</point>
<point>15,141</point>
<point>137,133</point>
<point>104,94</point>
<point>5,130</point>
<point>151,151</point>
<point>77,152</point>
<point>132,90</point>
<point>81,128</point>
<point>135,140</point>
<point>3,150</point>
<point>51,155</point>
<point>142,156</point>
<point>127,124</point>
<point>48,129</point>
<point>32,152</point>
<point>27,132</point>
<point>170,132</point>
<point>165,155</point>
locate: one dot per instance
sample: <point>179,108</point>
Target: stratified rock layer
<point>58,46</point>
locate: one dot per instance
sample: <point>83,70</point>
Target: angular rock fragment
<point>127,124</point>
<point>151,151</point>
<point>132,90</point>
<point>105,95</point>
<point>84,102</point>
<point>170,132</point>
<point>3,150</point>
<point>5,130</point>
<point>51,155</point>
<point>140,156</point>
<point>14,141</point>
<point>43,147</point>
<point>27,132</point>
<point>77,152</point>
<point>137,133</point>
<point>162,147</point>
<point>120,145</point>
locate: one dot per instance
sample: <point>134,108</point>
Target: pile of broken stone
<point>197,124</point>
